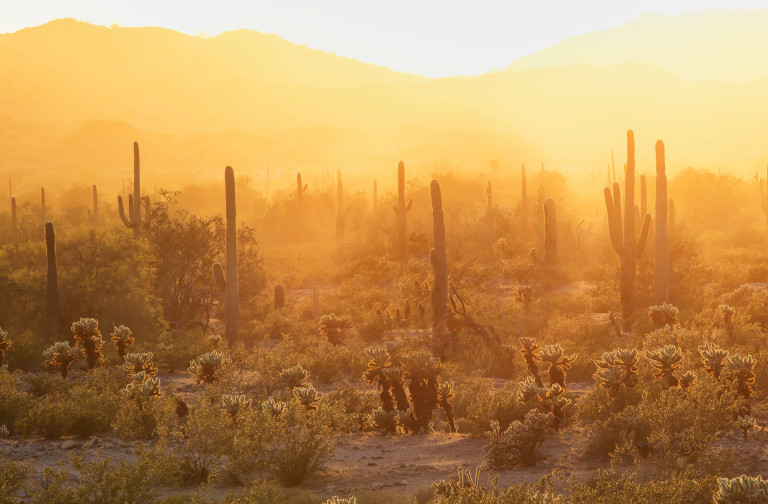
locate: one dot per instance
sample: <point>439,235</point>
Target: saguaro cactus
<point>52,320</point>
<point>400,211</point>
<point>229,283</point>
<point>300,190</point>
<point>375,195</point>
<point>661,242</point>
<point>438,258</point>
<point>763,194</point>
<point>550,230</point>
<point>489,195</point>
<point>133,221</point>
<point>95,211</point>
<point>524,205</point>
<point>42,207</point>
<point>339,211</point>
<point>14,221</point>
<point>627,245</point>
<point>279,297</point>
<point>643,196</point>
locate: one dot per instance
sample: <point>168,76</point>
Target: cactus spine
<point>550,230</point>
<point>52,286</point>
<point>133,220</point>
<point>661,241</point>
<point>300,190</point>
<point>279,297</point>
<point>400,211</point>
<point>229,283</point>
<point>95,211</point>
<point>339,211</point>
<point>627,245</point>
<point>524,205</point>
<point>439,259</point>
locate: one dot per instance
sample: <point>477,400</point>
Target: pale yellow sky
<point>433,38</point>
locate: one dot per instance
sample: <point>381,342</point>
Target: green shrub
<point>13,402</point>
<point>14,478</point>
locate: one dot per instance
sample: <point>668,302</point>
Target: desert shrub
<point>144,420</point>
<point>96,482</point>
<point>13,401</point>
<point>254,433</point>
<point>477,403</point>
<point>14,478</point>
<point>26,350</point>
<point>608,487</point>
<point>175,349</point>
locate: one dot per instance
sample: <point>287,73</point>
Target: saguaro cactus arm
<point>614,217</point>
<point>218,277</point>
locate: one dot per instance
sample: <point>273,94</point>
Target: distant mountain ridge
<point>714,44</point>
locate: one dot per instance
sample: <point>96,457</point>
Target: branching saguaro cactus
<point>625,242</point>
<point>400,211</point>
<point>300,190</point>
<point>661,240</point>
<point>229,284</point>
<point>52,320</point>
<point>550,230</point>
<point>439,260</point>
<point>133,221</point>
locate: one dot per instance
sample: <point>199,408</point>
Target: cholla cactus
<point>667,335</point>
<point>465,482</point>
<point>528,391</point>
<point>88,339</point>
<point>519,443</point>
<point>339,500</point>
<point>666,362</point>
<point>394,377</point>
<point>558,363</point>
<point>530,352</point>
<point>444,396</point>
<point>231,405</point>
<point>374,375</point>
<point>4,432</point>
<point>383,421</point>
<point>5,344</point>
<point>556,403</point>
<point>60,356</point>
<point>742,369</point>
<point>422,370</point>
<point>207,367</point>
<point>293,377</point>
<point>122,337</point>
<point>713,357</point>
<point>663,314</point>
<point>610,378</point>
<point>214,340</point>
<point>333,327</point>
<point>741,490</point>
<point>307,396</point>
<point>625,360</point>
<point>142,387</point>
<point>139,362</point>
<point>687,379</point>
<point>728,313</point>
<point>745,423</point>
<point>275,408</point>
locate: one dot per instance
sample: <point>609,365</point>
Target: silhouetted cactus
<point>422,371</point>
<point>231,405</point>
<point>550,231</point>
<point>742,490</point>
<point>383,421</point>
<point>558,363</point>
<point>439,260</point>
<point>625,242</point>
<point>42,209</point>
<point>555,401</point>
<point>517,446</point>
<point>88,339</point>
<point>229,284</point>
<point>307,396</point>
<point>529,392</point>
<point>489,195</point>
<point>530,353</point>
<point>60,356</point>
<point>139,363</point>
<point>14,221</point>
<point>122,337</point>
<point>523,204</point>
<point>665,362</point>
<point>300,190</point>
<point>661,240</point>
<point>745,423</point>
<point>374,375</point>
<point>95,210</point>
<point>333,327</point>
<point>142,388</point>
<point>401,210</point>
<point>742,370</point>
<point>207,367</point>
<point>713,357</point>
<point>293,377</point>
<point>133,221</point>
<point>214,340</point>
<point>664,314</point>
<point>624,361</point>
<point>52,317</point>
<point>5,344</point>
<point>728,313</point>
<point>273,407</point>
<point>445,396</point>
<point>279,297</point>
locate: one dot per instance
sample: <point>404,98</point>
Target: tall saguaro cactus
<point>52,317</point>
<point>300,190</point>
<point>95,211</point>
<point>550,230</point>
<point>661,240</point>
<point>228,283</point>
<point>42,208</point>
<point>438,258</point>
<point>643,196</point>
<point>133,221</point>
<point>339,211</point>
<point>14,220</point>
<point>524,205</point>
<point>400,211</point>
<point>626,244</point>
<point>489,195</point>
<point>279,297</point>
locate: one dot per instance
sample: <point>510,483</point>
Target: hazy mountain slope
<point>728,45</point>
